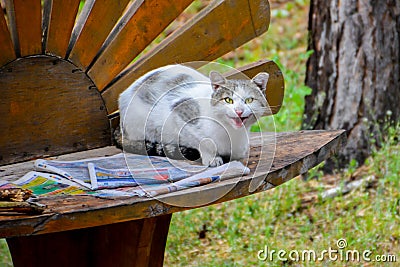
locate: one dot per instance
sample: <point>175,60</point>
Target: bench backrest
<point>63,66</point>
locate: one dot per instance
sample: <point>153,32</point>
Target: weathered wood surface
<point>21,207</point>
<point>217,29</point>
<point>48,107</point>
<point>148,19</point>
<point>133,243</point>
<point>295,153</point>
<point>61,21</point>
<point>6,46</point>
<point>28,18</point>
<point>102,17</point>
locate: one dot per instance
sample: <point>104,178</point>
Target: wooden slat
<point>296,153</point>
<point>216,30</point>
<point>61,23</point>
<point>134,243</point>
<point>46,14</point>
<point>276,84</point>
<point>259,10</point>
<point>49,108</point>
<point>102,18</point>
<point>148,21</point>
<point>12,26</point>
<point>28,17</point>
<point>80,22</point>
<point>6,46</point>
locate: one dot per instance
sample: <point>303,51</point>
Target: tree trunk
<point>354,71</point>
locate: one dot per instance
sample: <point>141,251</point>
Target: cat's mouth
<point>238,122</point>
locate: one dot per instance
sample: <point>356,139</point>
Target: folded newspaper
<point>122,175</point>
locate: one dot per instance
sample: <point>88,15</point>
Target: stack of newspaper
<point>121,175</point>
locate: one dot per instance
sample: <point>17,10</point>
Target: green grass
<point>5,257</point>
<point>368,218</point>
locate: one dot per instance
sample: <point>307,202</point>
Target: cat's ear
<point>216,79</point>
<point>261,81</point>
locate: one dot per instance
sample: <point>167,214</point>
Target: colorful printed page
<point>120,170</point>
<point>112,178</point>
<point>77,170</point>
<point>45,184</point>
<point>223,172</point>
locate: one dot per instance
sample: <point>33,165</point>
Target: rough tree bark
<point>354,71</point>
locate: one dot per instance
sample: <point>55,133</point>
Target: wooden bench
<point>61,71</point>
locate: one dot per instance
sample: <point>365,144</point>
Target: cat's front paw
<point>213,162</point>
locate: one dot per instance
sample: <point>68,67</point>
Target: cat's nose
<point>239,112</point>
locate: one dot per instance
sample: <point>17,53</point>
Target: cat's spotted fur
<point>178,112</point>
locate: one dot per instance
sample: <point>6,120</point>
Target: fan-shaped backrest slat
<point>102,18</point>
<point>148,21</point>
<point>61,22</point>
<point>6,46</point>
<point>28,19</point>
<point>216,30</point>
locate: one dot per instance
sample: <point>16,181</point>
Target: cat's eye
<point>249,100</point>
<point>228,100</point>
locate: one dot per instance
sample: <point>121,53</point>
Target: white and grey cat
<point>176,111</point>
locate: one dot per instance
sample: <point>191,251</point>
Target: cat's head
<point>239,102</point>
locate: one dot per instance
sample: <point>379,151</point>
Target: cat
<point>176,111</point>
